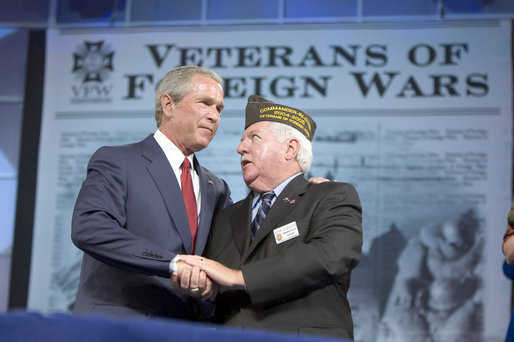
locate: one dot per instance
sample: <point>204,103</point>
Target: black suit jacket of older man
<point>294,283</point>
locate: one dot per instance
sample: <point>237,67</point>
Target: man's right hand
<point>193,281</point>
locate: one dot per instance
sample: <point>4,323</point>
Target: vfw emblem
<point>92,66</point>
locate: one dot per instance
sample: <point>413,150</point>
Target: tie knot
<point>185,164</point>
<point>267,197</point>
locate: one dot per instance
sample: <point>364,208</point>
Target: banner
<point>417,116</point>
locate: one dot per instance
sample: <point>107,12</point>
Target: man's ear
<point>293,147</point>
<point>167,106</point>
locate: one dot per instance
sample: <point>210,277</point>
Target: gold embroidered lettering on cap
<point>260,109</point>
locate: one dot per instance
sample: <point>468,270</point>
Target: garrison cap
<point>260,109</point>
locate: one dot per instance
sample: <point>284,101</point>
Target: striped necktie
<point>266,199</point>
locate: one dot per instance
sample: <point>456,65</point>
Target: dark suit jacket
<point>299,285</point>
<point>130,220</point>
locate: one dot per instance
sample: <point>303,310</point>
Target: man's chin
<point>201,145</point>
<point>205,142</point>
<point>248,180</point>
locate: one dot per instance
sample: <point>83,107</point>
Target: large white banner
<point>417,116</point>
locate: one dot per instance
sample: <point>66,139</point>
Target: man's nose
<point>241,149</point>
<point>213,114</point>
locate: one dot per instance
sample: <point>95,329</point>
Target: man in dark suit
<point>293,273</point>
<point>131,218</point>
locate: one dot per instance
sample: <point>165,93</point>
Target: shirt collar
<point>277,190</point>
<point>172,152</point>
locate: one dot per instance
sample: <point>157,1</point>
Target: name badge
<point>285,233</point>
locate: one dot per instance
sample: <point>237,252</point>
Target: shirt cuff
<point>173,264</point>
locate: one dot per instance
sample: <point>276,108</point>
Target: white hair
<point>282,132</point>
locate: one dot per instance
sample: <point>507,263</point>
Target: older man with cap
<point>285,253</point>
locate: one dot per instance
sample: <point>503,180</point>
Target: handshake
<point>204,278</point>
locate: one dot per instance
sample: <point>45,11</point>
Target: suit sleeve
<point>99,218</point>
<point>225,198</point>
<point>330,251</point>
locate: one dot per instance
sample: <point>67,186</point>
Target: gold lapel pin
<point>287,200</point>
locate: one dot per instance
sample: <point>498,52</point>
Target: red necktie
<point>189,200</point>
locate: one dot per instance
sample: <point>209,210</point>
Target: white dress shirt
<point>176,158</point>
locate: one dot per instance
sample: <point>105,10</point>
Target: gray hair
<point>283,132</point>
<point>177,83</point>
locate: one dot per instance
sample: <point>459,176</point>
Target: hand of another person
<point>317,180</point>
<point>224,276</point>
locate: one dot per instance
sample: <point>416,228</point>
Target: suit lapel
<point>161,172</point>
<point>207,208</point>
<point>283,205</point>
<point>240,223</point>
